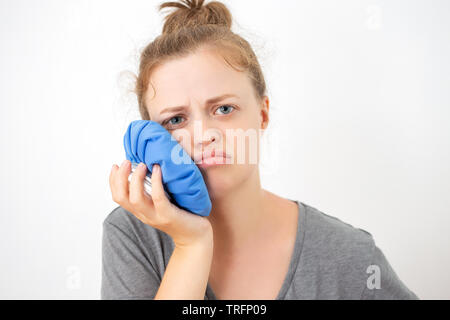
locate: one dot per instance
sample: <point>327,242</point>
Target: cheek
<point>183,137</point>
<point>220,181</point>
<point>244,139</point>
<point>244,147</point>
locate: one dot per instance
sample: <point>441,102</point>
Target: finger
<point>137,196</point>
<point>121,182</point>
<point>160,200</point>
<point>114,169</point>
<point>112,176</point>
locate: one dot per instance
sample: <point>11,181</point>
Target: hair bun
<point>192,13</point>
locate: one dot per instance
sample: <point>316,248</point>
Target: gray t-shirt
<point>331,260</point>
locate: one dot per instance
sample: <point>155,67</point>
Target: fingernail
<point>141,166</point>
<point>156,168</point>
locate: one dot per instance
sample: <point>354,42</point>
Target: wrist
<point>204,242</point>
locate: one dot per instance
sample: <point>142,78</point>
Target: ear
<point>265,112</point>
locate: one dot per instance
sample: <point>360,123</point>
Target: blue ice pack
<point>149,142</point>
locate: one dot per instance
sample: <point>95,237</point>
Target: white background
<point>360,110</point>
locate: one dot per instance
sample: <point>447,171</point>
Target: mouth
<point>216,157</point>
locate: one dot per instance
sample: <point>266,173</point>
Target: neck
<point>239,215</point>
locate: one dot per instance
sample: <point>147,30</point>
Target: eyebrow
<point>208,102</point>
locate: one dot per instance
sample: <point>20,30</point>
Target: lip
<point>212,158</point>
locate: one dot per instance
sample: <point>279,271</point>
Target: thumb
<point>158,195</point>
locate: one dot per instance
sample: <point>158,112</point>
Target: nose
<point>209,137</point>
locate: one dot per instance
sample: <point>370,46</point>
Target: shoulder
<point>120,223</point>
<point>334,258</point>
<point>120,218</point>
<point>134,257</point>
<point>331,234</point>
<point>345,257</point>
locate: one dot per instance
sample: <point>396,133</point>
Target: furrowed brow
<point>208,102</point>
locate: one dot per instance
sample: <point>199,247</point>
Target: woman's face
<point>181,103</point>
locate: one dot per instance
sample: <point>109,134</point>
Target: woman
<point>254,244</point>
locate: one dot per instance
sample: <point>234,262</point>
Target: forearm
<point>187,272</point>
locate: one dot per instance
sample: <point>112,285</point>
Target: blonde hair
<point>193,25</point>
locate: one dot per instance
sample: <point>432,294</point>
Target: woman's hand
<point>185,228</point>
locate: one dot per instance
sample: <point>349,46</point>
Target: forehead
<point>199,76</point>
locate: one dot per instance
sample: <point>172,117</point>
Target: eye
<point>174,121</point>
<point>226,109</point>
